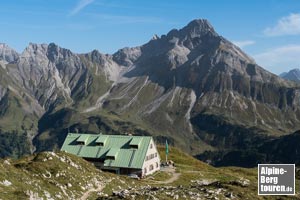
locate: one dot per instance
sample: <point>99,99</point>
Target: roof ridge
<point>91,134</point>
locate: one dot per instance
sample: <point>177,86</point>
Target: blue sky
<point>267,30</point>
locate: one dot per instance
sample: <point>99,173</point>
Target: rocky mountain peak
<point>97,57</point>
<point>7,54</point>
<point>199,27</point>
<point>33,50</point>
<point>295,71</point>
<point>35,46</point>
<point>293,75</point>
<point>54,52</point>
<point>195,28</point>
<point>155,37</point>
<point>127,56</point>
<point>49,51</point>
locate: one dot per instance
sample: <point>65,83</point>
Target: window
<point>151,146</point>
<point>151,168</point>
<point>99,144</point>
<point>110,157</point>
<point>133,146</point>
<point>156,164</point>
<point>151,156</point>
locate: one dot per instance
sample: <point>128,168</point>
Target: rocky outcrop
<point>197,189</point>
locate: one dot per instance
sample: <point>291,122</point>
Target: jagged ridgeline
<point>191,86</point>
<point>293,75</point>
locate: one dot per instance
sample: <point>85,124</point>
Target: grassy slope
<point>17,120</point>
<point>167,120</point>
<point>64,176</point>
<point>229,179</point>
<point>47,174</point>
<point>193,169</point>
<point>95,85</point>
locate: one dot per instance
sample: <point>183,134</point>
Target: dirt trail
<point>87,193</point>
<point>174,177</point>
<point>171,170</point>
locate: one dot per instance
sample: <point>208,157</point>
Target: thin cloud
<point>244,43</point>
<point>279,59</point>
<point>288,25</point>
<point>80,5</point>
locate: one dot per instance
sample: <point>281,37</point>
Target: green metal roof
<point>117,146</point>
<point>112,152</point>
<point>102,139</point>
<point>135,141</point>
<point>82,138</point>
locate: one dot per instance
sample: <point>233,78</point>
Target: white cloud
<point>288,25</point>
<point>80,5</point>
<point>244,43</point>
<point>280,59</point>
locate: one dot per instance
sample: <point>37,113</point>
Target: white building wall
<point>152,160</point>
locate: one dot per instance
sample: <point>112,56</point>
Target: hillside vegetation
<point>50,175</point>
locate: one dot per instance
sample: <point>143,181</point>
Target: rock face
<point>46,78</point>
<point>7,54</point>
<point>191,86</point>
<point>46,72</point>
<point>292,75</point>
